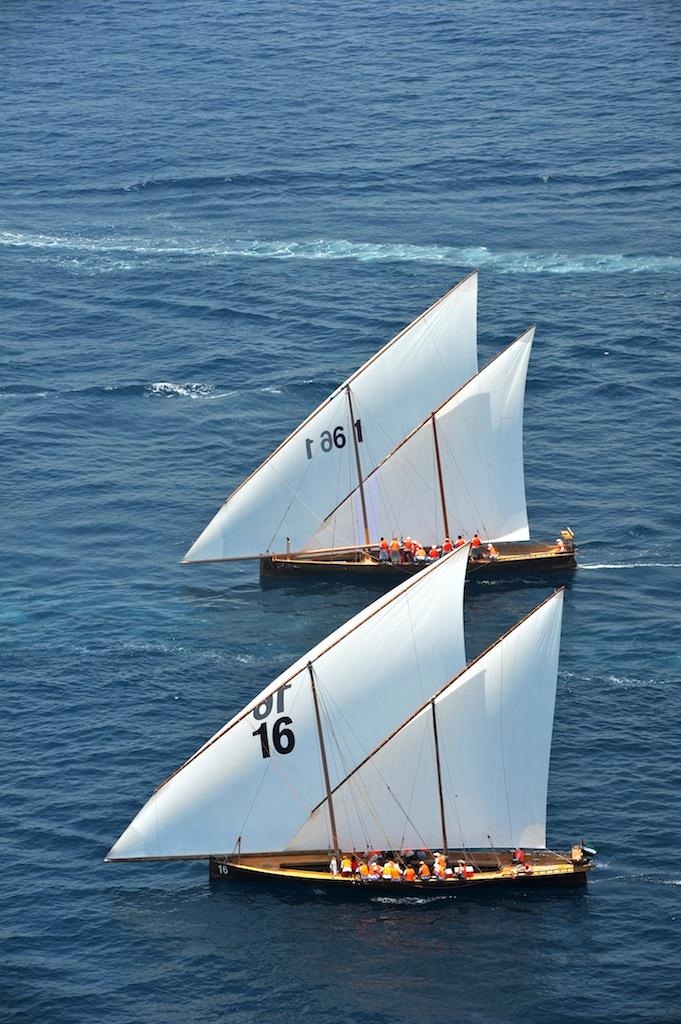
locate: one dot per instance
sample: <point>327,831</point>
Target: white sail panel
<point>282,501</point>
<point>390,803</point>
<point>314,469</point>
<point>369,675</point>
<point>480,437</point>
<point>480,441</point>
<point>494,725</point>
<point>402,499</point>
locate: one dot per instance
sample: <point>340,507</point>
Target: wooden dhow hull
<point>519,558</point>
<point>311,872</point>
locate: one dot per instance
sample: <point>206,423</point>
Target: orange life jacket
<point>492,550</point>
<point>459,543</point>
<point>409,874</point>
<point>424,871</point>
<point>395,871</point>
<point>384,544</point>
<point>345,864</point>
<point>363,870</point>
<point>408,544</point>
<point>475,543</point>
<point>447,546</point>
<point>433,553</point>
<point>394,544</point>
<point>420,552</point>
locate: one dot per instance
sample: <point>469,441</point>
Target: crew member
<point>424,871</point>
<point>475,546</point>
<point>395,550</point>
<point>408,550</point>
<point>346,867</point>
<point>433,554</point>
<point>420,555</point>
<point>492,551</point>
<point>333,867</point>
<point>459,542</point>
<point>383,553</point>
<point>447,546</point>
<point>409,874</point>
<point>518,856</point>
<point>560,544</point>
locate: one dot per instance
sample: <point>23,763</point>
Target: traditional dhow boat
<point>378,743</point>
<point>415,444</point>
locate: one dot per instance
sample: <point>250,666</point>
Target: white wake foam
<point>630,565</point>
<point>341,249</point>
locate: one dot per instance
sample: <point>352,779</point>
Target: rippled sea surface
<point>209,215</point>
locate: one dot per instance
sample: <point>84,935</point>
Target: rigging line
<point>419,759</point>
<point>268,766</point>
<point>367,798</point>
<point>449,747</point>
<point>501,739</point>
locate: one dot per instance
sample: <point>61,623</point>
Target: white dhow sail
<point>459,472</point>
<point>255,782</point>
<point>287,498</point>
<point>483,743</point>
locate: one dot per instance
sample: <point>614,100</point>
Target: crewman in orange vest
<point>374,871</point>
<point>409,874</point>
<point>364,871</point>
<point>424,870</point>
<point>518,856</point>
<point>492,551</point>
<point>433,554</point>
<point>395,550</point>
<point>459,542</point>
<point>420,555</point>
<point>395,873</point>
<point>447,546</point>
<point>346,867</point>
<point>383,553</point>
<point>408,550</point>
<point>475,546</point>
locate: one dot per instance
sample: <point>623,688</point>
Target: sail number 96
<point>283,739</point>
<point>328,440</point>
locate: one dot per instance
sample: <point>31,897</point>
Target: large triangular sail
<point>286,499</point>
<point>483,743</point>
<point>459,471</point>
<point>254,783</point>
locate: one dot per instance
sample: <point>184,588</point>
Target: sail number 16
<point>328,440</point>
<point>283,739</point>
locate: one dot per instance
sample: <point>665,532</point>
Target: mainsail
<point>254,783</point>
<point>287,498</point>
<point>460,471</point>
<point>470,769</point>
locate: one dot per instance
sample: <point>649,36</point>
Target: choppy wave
<point>511,262</point>
<point>165,389</point>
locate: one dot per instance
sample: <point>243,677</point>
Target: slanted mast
<point>287,498</point>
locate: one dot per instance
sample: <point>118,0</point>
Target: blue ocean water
<point>209,215</point>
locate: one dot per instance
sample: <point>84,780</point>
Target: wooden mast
<point>439,475</point>
<point>353,428</point>
<point>325,766</point>
<point>445,846</point>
